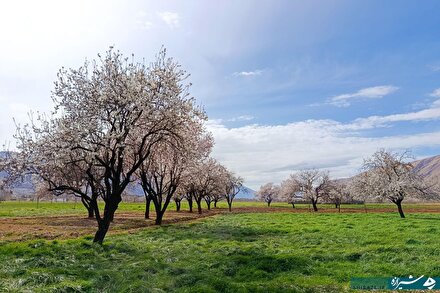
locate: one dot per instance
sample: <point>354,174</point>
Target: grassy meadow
<point>251,252</point>
<point>47,208</point>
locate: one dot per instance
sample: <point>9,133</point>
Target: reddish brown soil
<point>62,227</point>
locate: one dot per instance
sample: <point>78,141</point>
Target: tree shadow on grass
<point>243,271</point>
<point>223,258</point>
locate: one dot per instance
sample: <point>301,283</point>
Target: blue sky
<point>286,84</point>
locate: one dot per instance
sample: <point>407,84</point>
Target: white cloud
<point>248,73</point>
<point>172,19</point>
<point>435,93</point>
<point>144,24</point>
<point>263,153</point>
<point>375,92</point>
<point>242,118</point>
<point>435,67</point>
<point>430,113</point>
<point>379,121</point>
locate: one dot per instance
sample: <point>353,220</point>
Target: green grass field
<point>254,252</point>
<point>29,208</point>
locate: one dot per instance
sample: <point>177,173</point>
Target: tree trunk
<point>268,203</point>
<point>190,203</point>
<point>103,226</point>
<point>91,213</point>
<point>293,205</point>
<point>230,206</point>
<point>147,208</point>
<point>159,216</point>
<point>315,207</point>
<point>399,208</point>
<point>88,206</point>
<point>199,206</point>
<point>109,211</point>
<point>94,206</point>
<point>177,205</point>
<point>208,203</point>
<point>215,203</point>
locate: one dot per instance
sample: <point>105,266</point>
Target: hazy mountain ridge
<point>246,193</point>
<point>25,187</point>
<point>428,168</point>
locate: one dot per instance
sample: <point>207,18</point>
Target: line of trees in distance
<point>385,176</point>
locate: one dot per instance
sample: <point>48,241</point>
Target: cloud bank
<point>435,93</point>
<point>264,153</point>
<point>375,92</point>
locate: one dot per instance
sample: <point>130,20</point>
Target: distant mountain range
<point>246,193</point>
<point>26,188</point>
<point>429,168</point>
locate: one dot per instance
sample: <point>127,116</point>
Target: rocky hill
<point>429,168</point>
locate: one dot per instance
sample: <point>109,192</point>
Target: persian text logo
<point>422,282</point>
<point>395,283</point>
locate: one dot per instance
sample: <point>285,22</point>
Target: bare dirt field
<point>72,226</point>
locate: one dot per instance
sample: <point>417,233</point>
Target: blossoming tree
<point>109,115</point>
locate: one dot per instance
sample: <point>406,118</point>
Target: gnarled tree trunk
<point>178,202</point>
<point>399,208</point>
<point>159,217</point>
<point>199,206</point>
<point>314,204</point>
<point>109,211</point>
<point>147,207</point>
<point>88,206</point>
<point>190,203</point>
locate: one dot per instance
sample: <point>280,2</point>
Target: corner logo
<point>395,283</point>
<point>413,283</point>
